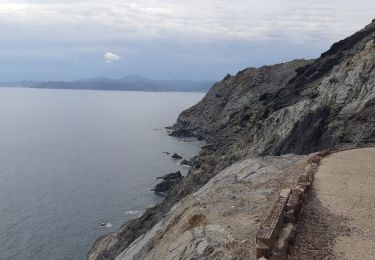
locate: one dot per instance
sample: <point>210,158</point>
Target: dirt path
<point>338,221</point>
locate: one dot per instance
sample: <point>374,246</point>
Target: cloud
<point>168,38</point>
<point>110,57</point>
<point>208,20</point>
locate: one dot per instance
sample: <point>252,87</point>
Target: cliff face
<point>296,107</point>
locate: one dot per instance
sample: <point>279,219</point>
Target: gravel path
<point>338,220</point>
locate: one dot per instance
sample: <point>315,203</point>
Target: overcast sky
<point>162,39</point>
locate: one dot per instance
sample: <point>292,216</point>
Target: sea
<point>77,164</point>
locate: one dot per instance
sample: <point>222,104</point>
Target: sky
<point>167,39</point>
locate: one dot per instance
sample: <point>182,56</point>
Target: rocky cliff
<point>297,107</point>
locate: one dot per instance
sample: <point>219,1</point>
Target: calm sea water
<point>71,159</point>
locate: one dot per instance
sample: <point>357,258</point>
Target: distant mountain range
<point>128,83</point>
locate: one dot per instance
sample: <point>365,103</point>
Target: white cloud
<point>207,20</point>
<point>167,37</point>
<point>110,57</point>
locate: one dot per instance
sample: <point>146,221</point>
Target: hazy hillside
<point>129,83</point>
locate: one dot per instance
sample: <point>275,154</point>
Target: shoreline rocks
<point>168,182</point>
<point>176,156</point>
<point>190,163</point>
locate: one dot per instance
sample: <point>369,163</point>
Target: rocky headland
<point>259,126</point>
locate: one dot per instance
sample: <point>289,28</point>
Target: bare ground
<point>338,221</point>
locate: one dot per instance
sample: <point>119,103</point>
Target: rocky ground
<point>338,222</point>
<point>220,220</point>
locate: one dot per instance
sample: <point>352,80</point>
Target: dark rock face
<point>169,181</point>
<point>299,107</point>
<point>163,187</point>
<point>312,127</point>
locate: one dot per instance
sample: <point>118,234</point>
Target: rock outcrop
<point>191,162</point>
<point>296,107</point>
<point>168,182</point>
<point>176,156</point>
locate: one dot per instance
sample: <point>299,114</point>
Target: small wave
<point>132,212</point>
<point>183,165</point>
<point>106,224</point>
<point>151,205</point>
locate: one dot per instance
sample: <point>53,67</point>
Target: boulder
<point>176,156</point>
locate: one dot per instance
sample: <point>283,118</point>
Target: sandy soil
<point>338,220</point>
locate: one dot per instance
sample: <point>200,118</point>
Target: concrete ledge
<point>271,227</point>
<point>277,230</point>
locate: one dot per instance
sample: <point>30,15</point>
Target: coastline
<point>267,114</point>
<point>110,245</point>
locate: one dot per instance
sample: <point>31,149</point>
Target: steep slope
<point>296,107</point>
